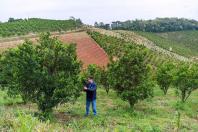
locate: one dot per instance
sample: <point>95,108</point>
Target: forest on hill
<point>155,25</point>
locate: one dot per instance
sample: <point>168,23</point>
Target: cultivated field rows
<point>133,37</point>
<point>88,51</point>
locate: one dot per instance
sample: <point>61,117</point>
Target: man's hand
<point>85,88</point>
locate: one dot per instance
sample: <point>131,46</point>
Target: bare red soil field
<point>88,51</point>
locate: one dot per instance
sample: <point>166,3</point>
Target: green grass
<point>188,39</point>
<point>156,114</point>
<point>182,42</point>
<point>6,100</point>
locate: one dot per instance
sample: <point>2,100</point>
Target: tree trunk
<point>165,90</point>
<point>183,96</point>
<point>107,91</point>
<point>132,103</point>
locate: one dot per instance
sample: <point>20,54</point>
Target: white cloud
<point>98,10</point>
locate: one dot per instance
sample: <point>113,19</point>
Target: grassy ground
<point>151,115</point>
<point>187,39</point>
<point>184,42</point>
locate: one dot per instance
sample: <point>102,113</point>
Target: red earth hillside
<point>88,51</point>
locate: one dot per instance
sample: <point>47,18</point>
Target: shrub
<point>99,74</point>
<point>47,74</point>
<point>165,75</point>
<point>130,78</point>
<point>23,122</point>
<point>94,71</point>
<point>186,80</point>
<point>104,77</point>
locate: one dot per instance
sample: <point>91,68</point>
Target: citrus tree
<point>186,80</point>
<point>94,71</point>
<point>99,74</point>
<point>130,76</point>
<point>46,73</point>
<point>104,79</point>
<point>165,75</point>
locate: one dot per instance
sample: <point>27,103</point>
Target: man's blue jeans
<point>93,102</point>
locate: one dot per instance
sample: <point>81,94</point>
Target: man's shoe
<point>86,115</point>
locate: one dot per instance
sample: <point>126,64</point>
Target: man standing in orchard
<point>90,89</point>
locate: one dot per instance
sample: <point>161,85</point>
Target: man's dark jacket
<point>91,91</point>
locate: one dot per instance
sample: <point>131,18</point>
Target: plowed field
<point>88,51</point>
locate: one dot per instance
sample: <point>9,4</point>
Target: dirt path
<point>88,51</point>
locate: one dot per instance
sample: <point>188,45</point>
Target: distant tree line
<point>156,25</point>
<point>102,25</point>
<point>11,19</point>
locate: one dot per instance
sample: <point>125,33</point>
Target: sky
<point>106,11</point>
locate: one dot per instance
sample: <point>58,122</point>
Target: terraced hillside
<point>35,25</point>
<point>115,48</point>
<point>88,51</point>
<point>140,40</point>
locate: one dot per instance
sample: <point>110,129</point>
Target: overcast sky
<point>98,10</point>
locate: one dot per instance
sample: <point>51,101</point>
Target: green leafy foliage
<point>35,25</point>
<point>114,115</point>
<point>47,74</point>
<point>130,76</point>
<point>157,25</point>
<point>99,74</point>
<point>25,123</point>
<point>104,79</point>
<point>186,80</point>
<point>102,25</point>
<point>115,48</point>
<point>165,75</point>
<point>93,71</point>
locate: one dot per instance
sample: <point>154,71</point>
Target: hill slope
<point>186,39</point>
<point>88,51</point>
<point>134,37</point>
<point>184,43</point>
<point>35,25</point>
